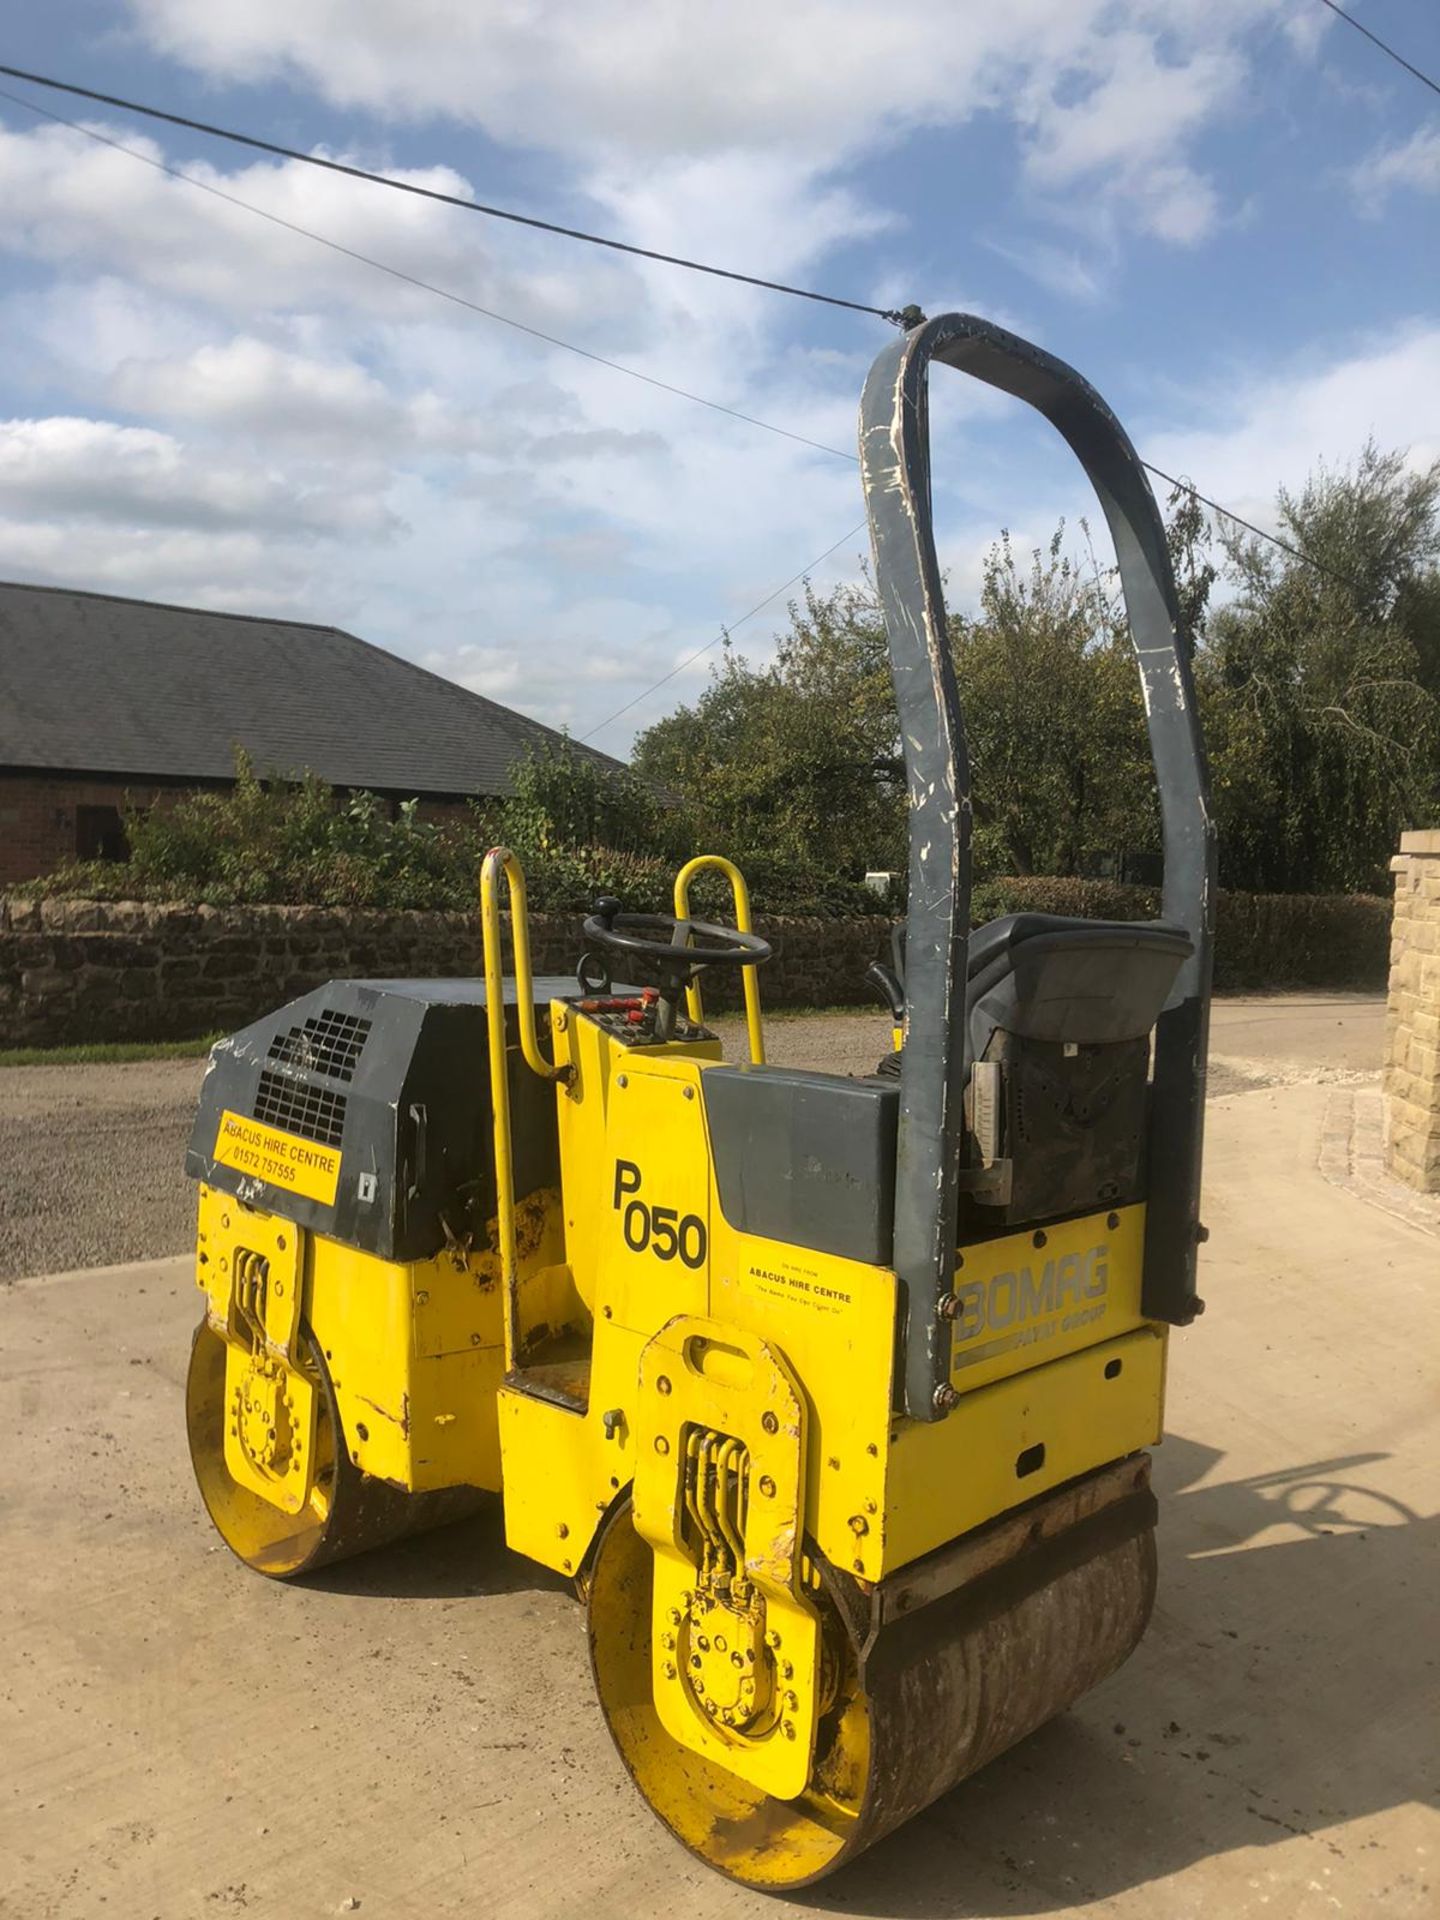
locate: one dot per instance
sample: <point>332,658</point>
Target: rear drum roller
<point>925,1703</point>
<point>348,1511</point>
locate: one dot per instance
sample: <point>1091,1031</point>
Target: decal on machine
<point>668,1234</point>
<point>802,1286</point>
<point>279,1159</point>
<point>1028,1304</point>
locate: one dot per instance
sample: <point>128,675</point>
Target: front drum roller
<point>918,1705</point>
<point>349,1512</point>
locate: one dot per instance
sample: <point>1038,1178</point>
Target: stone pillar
<point>1412,1027</point>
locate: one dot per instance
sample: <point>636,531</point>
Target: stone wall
<point>1412,1051</point>
<point>82,970</point>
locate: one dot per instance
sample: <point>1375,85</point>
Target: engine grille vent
<point>315,1113</point>
<point>328,1042</point>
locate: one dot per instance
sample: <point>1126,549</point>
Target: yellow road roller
<point>831,1394</point>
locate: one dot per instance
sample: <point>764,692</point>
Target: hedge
<point>1262,940</point>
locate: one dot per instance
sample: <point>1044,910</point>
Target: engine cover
<point>362,1111</point>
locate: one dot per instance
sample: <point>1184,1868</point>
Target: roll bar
<point>895,467</point>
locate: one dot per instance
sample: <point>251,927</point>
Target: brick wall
<point>79,970</point>
<point>39,814</point>
<point>1412,1050</point>
<point>38,817</point>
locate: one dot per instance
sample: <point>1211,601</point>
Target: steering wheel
<point>661,938</point>
<point>664,941</point>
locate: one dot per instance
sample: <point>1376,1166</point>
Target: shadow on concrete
<point>466,1559</point>
<point>1280,1691</point>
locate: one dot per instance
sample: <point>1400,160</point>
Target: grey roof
<point>90,682</point>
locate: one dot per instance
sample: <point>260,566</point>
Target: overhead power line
<point>726,631</point>
<point>554,340</point>
<point>615,366</point>
<point>259,145</point>
<point>414,279</point>
<point>1296,553</point>
<point>1384,46</point>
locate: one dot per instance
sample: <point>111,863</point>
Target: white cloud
<point>238,572</point>
<point>1060,270</point>
<point>96,470</point>
<point>1414,163</point>
<point>262,388</point>
<point>66,199</point>
<point>1100,89</point>
<point>1278,428</point>
<point>299,434</point>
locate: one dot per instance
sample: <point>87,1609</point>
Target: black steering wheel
<point>665,942</point>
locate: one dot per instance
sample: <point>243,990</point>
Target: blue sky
<point>1226,216</point>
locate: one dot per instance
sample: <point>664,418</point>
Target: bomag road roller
<point>832,1395</point>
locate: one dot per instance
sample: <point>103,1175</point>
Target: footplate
<point>270,1409</point>
<point>719,1481</point>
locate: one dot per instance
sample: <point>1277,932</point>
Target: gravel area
<point>93,1164</point>
<point>92,1158</point>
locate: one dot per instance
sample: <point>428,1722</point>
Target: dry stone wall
<point>1412,1049</point>
<point>83,970</point>
<point>73,971</point>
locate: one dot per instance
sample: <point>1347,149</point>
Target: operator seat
<point>1089,982</point>
<point>1060,1013</point>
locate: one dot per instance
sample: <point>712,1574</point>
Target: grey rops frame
<point>895,464</point>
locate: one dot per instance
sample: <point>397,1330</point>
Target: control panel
<point>630,1018</point>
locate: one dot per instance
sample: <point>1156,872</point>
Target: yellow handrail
<point>501,860</point>
<point>716,862</point>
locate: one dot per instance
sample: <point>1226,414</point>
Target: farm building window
<point>100,834</point>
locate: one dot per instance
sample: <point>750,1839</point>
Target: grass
<point>107,1053</point>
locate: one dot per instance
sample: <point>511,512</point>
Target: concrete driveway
<point>414,1734</point>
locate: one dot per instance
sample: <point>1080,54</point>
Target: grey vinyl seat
<point>1044,976</point>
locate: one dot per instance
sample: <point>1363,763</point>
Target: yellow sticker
<point>280,1159</point>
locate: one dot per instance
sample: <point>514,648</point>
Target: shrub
<point>295,843</point>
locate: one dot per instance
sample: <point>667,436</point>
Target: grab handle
<point>694,1006</point>
<point>500,861</point>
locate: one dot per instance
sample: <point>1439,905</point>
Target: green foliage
<point>796,761</point>
<point>1048,893</point>
<point>801,758</point>
<point>1317,683</point>
<point>563,797</point>
<point>1060,770</point>
<point>1319,689</point>
<point>108,1053</point>
<point>293,842</point>
<point>288,842</point>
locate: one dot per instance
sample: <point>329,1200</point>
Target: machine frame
<point>778,1366</point>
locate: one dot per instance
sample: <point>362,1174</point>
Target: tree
<point>1324,734</point>
<point>564,797</point>
<point>1318,680</point>
<point>798,760</point>
<point>1060,770</point>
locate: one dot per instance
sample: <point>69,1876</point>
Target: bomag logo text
<point>1032,1293</point>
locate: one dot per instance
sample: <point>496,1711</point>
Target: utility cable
<point>412,279</point>
<point>726,631</point>
<point>569,346</point>
<point>1375,40</point>
<point>1296,553</point>
<point>446,199</point>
